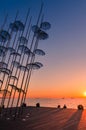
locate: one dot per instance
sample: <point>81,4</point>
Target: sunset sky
<point>64,70</point>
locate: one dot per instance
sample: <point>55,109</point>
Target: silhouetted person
<point>64,106</point>
<point>23,105</point>
<point>58,106</point>
<point>37,104</point>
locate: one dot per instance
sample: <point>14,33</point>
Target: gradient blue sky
<point>64,71</point>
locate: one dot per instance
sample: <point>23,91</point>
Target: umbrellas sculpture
<point>17,59</point>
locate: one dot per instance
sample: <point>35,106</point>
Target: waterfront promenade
<point>43,118</point>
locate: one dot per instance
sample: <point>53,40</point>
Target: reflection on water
<point>50,102</point>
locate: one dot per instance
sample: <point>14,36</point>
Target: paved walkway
<point>47,119</point>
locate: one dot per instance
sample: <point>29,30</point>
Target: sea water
<point>54,102</point>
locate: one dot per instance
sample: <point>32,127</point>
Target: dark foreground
<point>47,119</point>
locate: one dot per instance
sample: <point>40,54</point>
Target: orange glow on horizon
<point>59,83</point>
<point>55,94</point>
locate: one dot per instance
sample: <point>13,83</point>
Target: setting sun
<point>85,94</point>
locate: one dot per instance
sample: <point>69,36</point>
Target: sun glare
<point>85,94</point>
